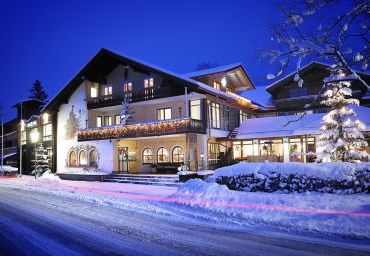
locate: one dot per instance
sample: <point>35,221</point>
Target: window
<point>108,90</point>
<point>162,155</point>
<point>72,159</point>
<point>213,152</point>
<point>215,113</point>
<point>23,137</point>
<point>297,92</point>
<point>127,89</point>
<point>107,121</point>
<point>99,121</point>
<point>164,114</point>
<point>217,85</point>
<point>148,87</point>
<point>295,149</point>
<point>195,109</point>
<point>247,149</point>
<point>47,132</point>
<point>243,115</point>
<point>82,158</point>
<point>177,155</point>
<point>147,156</point>
<point>94,92</point>
<point>50,157</point>
<point>45,118</point>
<point>93,158</point>
<point>117,119</point>
<point>237,149</point>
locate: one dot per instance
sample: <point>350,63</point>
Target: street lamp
<point>202,159</point>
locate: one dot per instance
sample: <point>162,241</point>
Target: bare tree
<point>205,65</point>
<point>333,31</point>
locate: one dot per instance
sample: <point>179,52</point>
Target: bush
<point>271,182</point>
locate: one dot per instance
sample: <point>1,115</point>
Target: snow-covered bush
<point>345,178</point>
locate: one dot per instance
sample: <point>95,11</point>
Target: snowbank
<point>49,176</point>
<point>300,177</point>
<point>7,168</point>
<point>328,214</point>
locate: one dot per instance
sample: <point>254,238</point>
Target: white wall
<point>104,148</point>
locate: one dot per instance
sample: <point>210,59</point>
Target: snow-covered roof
<point>292,125</point>
<point>259,95</point>
<point>219,69</point>
<point>184,78</point>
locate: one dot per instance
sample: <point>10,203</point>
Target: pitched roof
<point>108,60</point>
<point>305,68</point>
<point>292,125</point>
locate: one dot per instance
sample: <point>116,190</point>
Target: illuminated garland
<point>142,130</point>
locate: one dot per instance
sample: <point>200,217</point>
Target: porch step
<point>158,180</point>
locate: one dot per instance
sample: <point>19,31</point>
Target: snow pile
<point>49,176</point>
<point>7,168</point>
<point>330,214</point>
<point>296,177</point>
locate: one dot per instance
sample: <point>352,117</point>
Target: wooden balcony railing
<point>133,96</point>
<point>155,128</point>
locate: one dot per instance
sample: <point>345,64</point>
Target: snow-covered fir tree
<point>126,113</point>
<point>341,138</point>
<point>40,163</point>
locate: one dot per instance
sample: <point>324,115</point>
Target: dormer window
<point>108,90</point>
<point>217,85</point>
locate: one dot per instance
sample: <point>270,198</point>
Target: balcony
<point>134,96</point>
<point>147,129</point>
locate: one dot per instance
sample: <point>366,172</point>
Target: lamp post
<point>202,161</point>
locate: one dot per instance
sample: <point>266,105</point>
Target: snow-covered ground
<point>313,214</point>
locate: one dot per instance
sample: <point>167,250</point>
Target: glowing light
<point>35,136</point>
<point>223,82</point>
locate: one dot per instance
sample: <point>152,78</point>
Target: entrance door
<point>123,159</point>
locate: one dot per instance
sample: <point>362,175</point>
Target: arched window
<point>82,158</point>
<point>72,159</point>
<point>162,155</point>
<point>147,156</point>
<point>177,155</point>
<point>93,158</point>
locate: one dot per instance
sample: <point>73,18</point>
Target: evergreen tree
<point>126,113</point>
<point>38,92</point>
<point>40,164</point>
<point>341,138</point>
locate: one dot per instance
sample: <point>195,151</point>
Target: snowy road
<point>37,223</point>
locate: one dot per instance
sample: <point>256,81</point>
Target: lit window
<point>127,87</point>
<point>243,116</point>
<point>108,90</point>
<point>147,156</point>
<point>148,83</point>
<point>177,155</point>
<point>82,158</point>
<point>195,109</point>
<point>215,112</point>
<point>164,114</point>
<point>45,118</point>
<point>107,121</point>
<point>93,158</point>
<point>99,121</point>
<point>93,92</point>
<point>217,85</point>
<point>148,88</point>
<point>23,137</point>
<point>47,132</point>
<point>72,161</point>
<point>117,119</point>
<point>162,155</point>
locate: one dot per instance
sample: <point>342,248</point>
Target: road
<point>36,223</point>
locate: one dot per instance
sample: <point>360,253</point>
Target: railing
<point>133,96</point>
<point>155,128</point>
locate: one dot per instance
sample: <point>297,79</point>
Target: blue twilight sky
<point>52,40</point>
